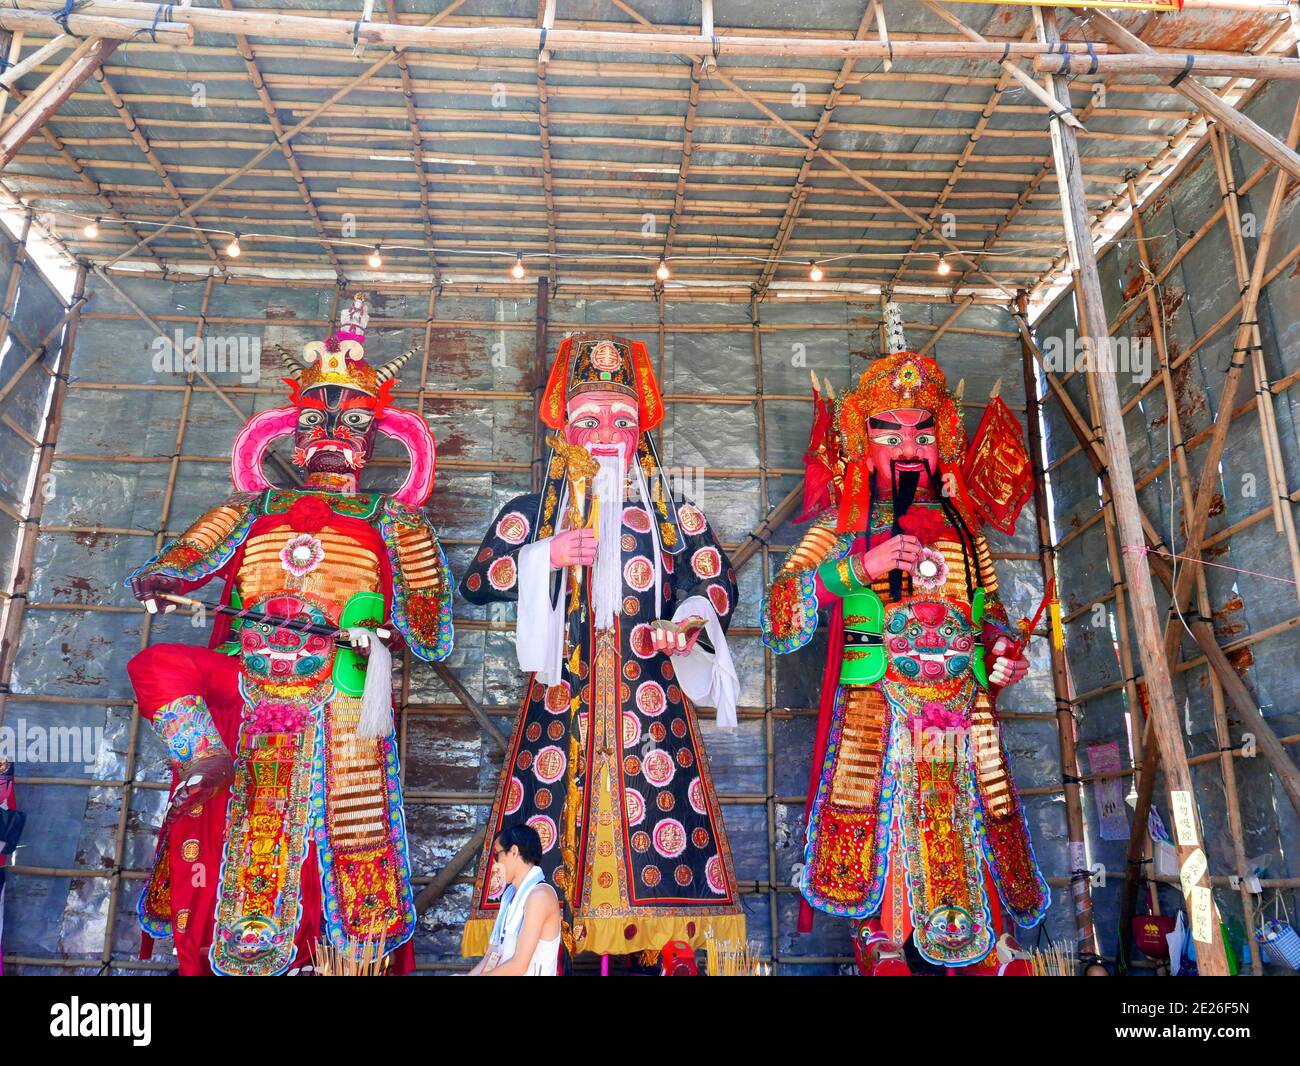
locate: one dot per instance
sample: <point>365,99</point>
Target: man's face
<point>601,421</point>
<point>336,430</point>
<point>904,439</point>
<point>506,863</point>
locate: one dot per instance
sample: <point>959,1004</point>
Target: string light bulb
<point>91,229</point>
<point>943,267</point>
<point>662,272</point>
<point>233,249</point>
<point>815,271</point>
<point>517,271</point>
<point>375,260</point>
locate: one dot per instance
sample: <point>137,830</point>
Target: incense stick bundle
<point>357,958</point>
<point>734,959</point>
<point>1053,961</point>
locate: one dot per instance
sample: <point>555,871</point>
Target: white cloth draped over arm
<point>708,678</point>
<point>539,625</point>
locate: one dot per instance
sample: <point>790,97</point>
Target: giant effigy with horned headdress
<point>285,833</point>
<point>624,595</point>
<point>914,826</point>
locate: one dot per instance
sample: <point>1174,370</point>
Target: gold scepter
<point>580,469</point>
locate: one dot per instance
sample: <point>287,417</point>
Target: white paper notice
<point>1184,819</point>
<point>1201,904</point>
<point>1193,870</point>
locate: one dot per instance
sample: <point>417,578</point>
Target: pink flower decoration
<point>937,716</point>
<point>931,571</point>
<point>302,555</point>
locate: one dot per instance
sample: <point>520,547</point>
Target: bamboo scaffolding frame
<point>1086,939</point>
<point>676,208</point>
<point>1164,716</point>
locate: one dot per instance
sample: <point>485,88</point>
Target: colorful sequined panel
<point>185,725</point>
<point>208,544</point>
<point>848,831</point>
<point>940,823</point>
<point>360,832</point>
<point>259,902</point>
<point>422,584</point>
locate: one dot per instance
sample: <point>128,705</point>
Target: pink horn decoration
<point>252,443</point>
<point>415,435</point>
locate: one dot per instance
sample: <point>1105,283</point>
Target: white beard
<point>607,571</point>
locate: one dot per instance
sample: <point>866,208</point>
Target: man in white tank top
<point>526,938</point>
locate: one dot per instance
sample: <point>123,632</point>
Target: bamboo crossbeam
<point>81,25</point>
<point>1161,65</point>
<point>43,102</point>
<point>1283,155</point>
<point>277,26</point>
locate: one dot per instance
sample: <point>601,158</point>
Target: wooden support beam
<point>1062,685</point>
<point>417,155</point>
<point>1208,482</point>
<point>1012,70</point>
<point>286,148</point>
<point>769,525</point>
<point>1164,716</point>
<point>289,134</point>
<point>1163,65</point>
<point>297,28</point>
<point>834,160</point>
<point>448,678</point>
<point>36,110</point>
<point>546,23</point>
<point>1233,120</point>
<point>139,139</point>
<point>798,193</point>
<point>39,23</point>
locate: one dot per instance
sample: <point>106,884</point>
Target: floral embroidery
<point>302,554</point>
<point>186,727</point>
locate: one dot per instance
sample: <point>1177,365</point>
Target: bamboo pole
<point>37,107</point>
<point>1283,517</point>
<point>1196,521</point>
<point>1164,715</point>
<point>799,191</point>
<point>1062,684</point>
<point>1282,154</point>
<point>487,35</point>
<point>1155,64</point>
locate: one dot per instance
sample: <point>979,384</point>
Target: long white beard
<point>607,573</point>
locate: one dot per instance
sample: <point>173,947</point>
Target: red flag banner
<point>998,474</point>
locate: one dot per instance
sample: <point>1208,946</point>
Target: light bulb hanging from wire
<point>233,249</point>
<point>91,229</point>
<point>375,260</point>
<point>815,271</point>
<point>517,271</point>
<point>943,267</point>
<point>662,272</point>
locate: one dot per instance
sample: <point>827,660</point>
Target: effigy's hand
<point>148,587</point>
<point>199,781</point>
<point>573,547</point>
<point>359,639</point>
<point>670,638</point>
<point>897,553</point>
<point>1008,667</point>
